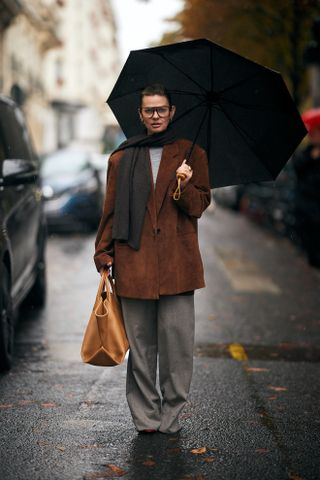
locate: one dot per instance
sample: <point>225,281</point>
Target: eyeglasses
<point>161,111</point>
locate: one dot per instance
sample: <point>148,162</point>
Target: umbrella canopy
<point>240,112</point>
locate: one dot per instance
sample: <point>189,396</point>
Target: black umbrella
<point>240,112</point>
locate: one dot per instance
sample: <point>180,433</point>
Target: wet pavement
<point>253,410</point>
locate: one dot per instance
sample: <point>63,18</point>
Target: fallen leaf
<point>25,402</point>
<point>112,472</point>
<point>48,405</point>
<point>148,462</point>
<point>278,389</point>
<point>193,477</point>
<point>237,352</point>
<point>256,369</point>
<point>262,450</point>
<point>209,459</point>
<point>212,449</point>
<point>294,476</point>
<point>94,445</point>
<point>272,398</point>
<point>6,405</point>
<point>59,447</point>
<point>114,469</point>
<point>199,451</point>
<point>174,450</point>
<point>184,416</point>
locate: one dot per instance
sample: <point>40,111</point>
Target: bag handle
<point>109,285</point>
<point>100,288</point>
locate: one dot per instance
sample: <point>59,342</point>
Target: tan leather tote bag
<point>105,341</point>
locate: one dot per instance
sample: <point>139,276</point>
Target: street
<point>253,410</point>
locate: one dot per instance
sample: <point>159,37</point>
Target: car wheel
<point>7,322</point>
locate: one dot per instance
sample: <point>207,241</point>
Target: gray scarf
<point>133,186</point>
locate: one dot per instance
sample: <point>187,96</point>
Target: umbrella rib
<point>180,92</point>
<point>186,112</point>
<point>197,134</point>
<point>235,85</point>
<point>184,73</point>
<point>183,92</point>
<point>261,108</point>
<point>138,90</point>
<point>211,68</point>
<point>244,135</point>
<point>208,133</point>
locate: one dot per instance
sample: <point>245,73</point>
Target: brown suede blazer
<point>168,261</point>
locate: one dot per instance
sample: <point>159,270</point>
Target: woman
<point>151,242</point>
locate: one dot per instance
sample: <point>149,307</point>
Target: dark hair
<point>155,89</point>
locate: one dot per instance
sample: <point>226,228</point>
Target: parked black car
<point>23,229</point>
<point>268,203</point>
<point>72,189</point>
<point>271,203</point>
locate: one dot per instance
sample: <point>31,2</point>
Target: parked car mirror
<point>18,171</point>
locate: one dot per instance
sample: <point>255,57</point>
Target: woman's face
<point>155,113</point>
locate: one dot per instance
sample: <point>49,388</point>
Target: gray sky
<point>140,23</point>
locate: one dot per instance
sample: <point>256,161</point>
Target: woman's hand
<point>186,171</point>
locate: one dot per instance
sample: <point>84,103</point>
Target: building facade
<point>80,73</point>
<point>59,60</point>
<point>27,33</point>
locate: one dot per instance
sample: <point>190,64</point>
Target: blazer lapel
<point>170,161</point>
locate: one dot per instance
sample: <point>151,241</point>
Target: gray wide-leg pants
<point>163,328</point>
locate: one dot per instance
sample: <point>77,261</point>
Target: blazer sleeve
<point>196,195</point>
<point>104,244</point>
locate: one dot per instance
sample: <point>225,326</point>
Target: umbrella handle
<point>177,193</point>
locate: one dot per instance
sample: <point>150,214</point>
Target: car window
<point>14,133</point>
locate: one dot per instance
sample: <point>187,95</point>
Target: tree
<point>273,32</point>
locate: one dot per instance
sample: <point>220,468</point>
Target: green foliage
<point>273,32</point>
